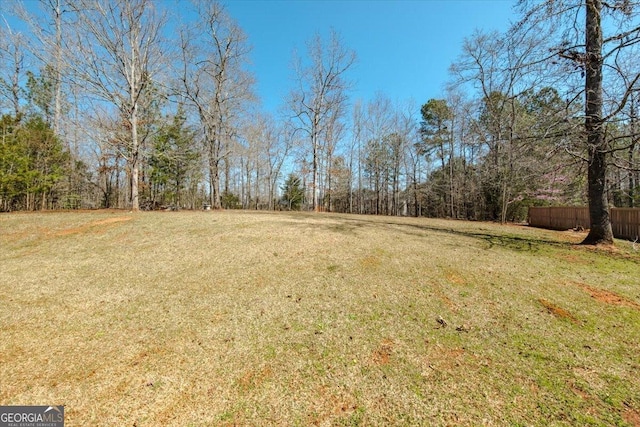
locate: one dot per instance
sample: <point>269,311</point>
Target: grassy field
<point>293,319</point>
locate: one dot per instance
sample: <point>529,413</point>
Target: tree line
<point>119,104</point>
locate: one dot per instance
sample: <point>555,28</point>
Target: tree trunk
<point>227,169</point>
<point>316,189</point>
<point>451,160</point>
<point>135,174</point>
<point>257,184</point>
<point>214,175</point>
<point>632,149</point>
<point>134,92</point>
<point>630,177</point>
<point>600,231</point>
<point>135,151</point>
<point>58,80</point>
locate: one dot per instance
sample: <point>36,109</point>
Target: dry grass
<point>237,318</point>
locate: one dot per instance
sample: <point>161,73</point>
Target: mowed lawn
<point>297,319</point>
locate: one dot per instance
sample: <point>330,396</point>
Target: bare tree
<point>355,156</point>
<point>259,137</point>
<point>320,96</point>
<point>600,230</point>
<point>386,131</point>
<point>606,87</point>
<point>277,142</point>
<point>13,48</point>
<point>377,156</point>
<point>332,136</point>
<point>504,70</point>
<point>214,54</point>
<point>49,27</point>
<point>119,54</point>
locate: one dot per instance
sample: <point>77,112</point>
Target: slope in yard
<point>238,318</point>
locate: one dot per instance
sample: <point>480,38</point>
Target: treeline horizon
<point>101,108</point>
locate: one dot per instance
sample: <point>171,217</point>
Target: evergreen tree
<point>293,192</point>
<point>32,162</point>
<point>173,161</point>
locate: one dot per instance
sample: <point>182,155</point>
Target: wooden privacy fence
<point>625,222</point>
<point>559,218</point>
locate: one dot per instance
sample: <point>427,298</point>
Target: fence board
<point>559,217</point>
<point>625,222</point>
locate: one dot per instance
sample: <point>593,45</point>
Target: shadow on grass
<point>518,243</point>
<point>350,226</point>
<point>336,224</point>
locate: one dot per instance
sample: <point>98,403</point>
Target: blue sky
<point>404,48</point>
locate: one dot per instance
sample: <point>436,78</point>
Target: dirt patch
<point>382,354</point>
<point>557,311</point>
<point>111,220</point>
<point>455,352</point>
<point>437,289</point>
<point>570,236</point>
<point>452,306</point>
<point>608,297</point>
<point>574,259</point>
<point>603,247</point>
<point>329,406</point>
<point>632,417</point>
<point>452,359</point>
<point>455,278</point>
<point>252,379</point>
<point>578,391</point>
<point>92,226</point>
<point>370,262</point>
